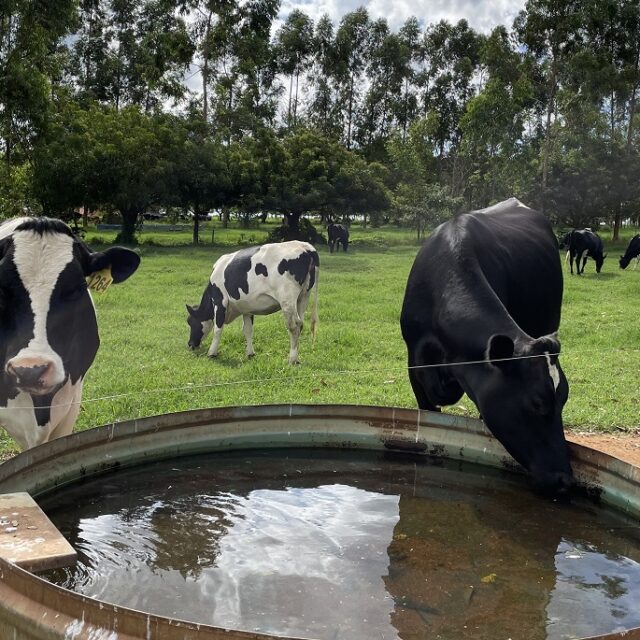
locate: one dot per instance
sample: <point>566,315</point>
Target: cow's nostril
<point>29,376</point>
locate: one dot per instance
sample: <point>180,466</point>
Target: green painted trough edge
<point>33,609</point>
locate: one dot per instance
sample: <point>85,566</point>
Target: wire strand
<point>193,387</point>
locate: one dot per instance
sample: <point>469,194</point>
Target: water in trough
<point>335,544</point>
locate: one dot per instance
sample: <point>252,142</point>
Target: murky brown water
<point>343,545</point>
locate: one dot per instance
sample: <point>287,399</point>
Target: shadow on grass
<point>595,276</point>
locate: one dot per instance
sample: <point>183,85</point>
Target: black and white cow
<point>48,326</point>
<point>583,241</point>
<point>487,285</point>
<point>338,235</point>
<point>258,281</point>
<point>633,251</point>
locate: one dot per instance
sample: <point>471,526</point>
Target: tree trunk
<point>129,221</point>
<point>617,220</point>
<point>196,225</point>
<point>85,216</point>
<point>225,217</point>
<point>292,226</point>
<point>350,114</point>
<point>632,105</point>
<point>205,72</point>
<point>547,134</point>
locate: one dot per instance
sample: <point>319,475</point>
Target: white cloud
<point>482,15</point>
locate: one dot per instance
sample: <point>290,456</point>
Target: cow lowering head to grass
<point>486,287</point>
<point>633,251</point>
<point>258,281</point>
<point>582,244</point>
<point>49,331</point>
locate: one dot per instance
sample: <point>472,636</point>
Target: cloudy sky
<point>481,14</point>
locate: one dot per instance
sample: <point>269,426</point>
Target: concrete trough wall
<point>33,609</point>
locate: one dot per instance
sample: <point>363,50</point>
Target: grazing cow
<point>49,328</point>
<point>633,251</point>
<point>258,281</point>
<point>338,234</point>
<point>583,241</point>
<point>487,285</point>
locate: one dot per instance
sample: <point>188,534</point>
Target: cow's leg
<point>344,246</point>
<point>637,261</point>
<point>571,261</point>
<point>220,318</point>
<point>215,343</point>
<point>578,260</point>
<point>72,400</point>
<point>294,326</point>
<point>433,386</point>
<point>584,262</point>
<point>247,329</point>
<point>330,246</point>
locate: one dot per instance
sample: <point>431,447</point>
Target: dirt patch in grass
<point>624,446</point>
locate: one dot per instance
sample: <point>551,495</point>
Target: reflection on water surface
<point>348,545</point>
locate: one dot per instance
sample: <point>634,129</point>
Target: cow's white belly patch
<point>258,304</point>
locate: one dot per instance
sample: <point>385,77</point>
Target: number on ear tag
<point>100,280</point>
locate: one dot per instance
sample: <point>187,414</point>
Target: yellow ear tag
<point>100,281</point>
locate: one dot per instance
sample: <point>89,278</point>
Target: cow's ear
<point>604,256</point>
<point>192,311</point>
<point>500,347</point>
<point>122,262</point>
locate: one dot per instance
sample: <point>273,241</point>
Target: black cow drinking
<point>48,324</point>
<point>487,285</point>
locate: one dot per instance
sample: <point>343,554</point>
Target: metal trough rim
<point>33,609</point>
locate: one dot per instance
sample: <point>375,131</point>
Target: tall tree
<point>551,30</point>
<point>351,42</point>
<point>294,46</point>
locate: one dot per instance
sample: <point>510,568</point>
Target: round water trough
<point>32,608</point>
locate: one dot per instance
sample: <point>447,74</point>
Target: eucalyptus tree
<point>323,111</point>
<point>495,160</point>
<point>235,59</point>
<point>452,53</point>
<point>552,31</point>
<point>294,48</point>
<point>351,43</point>
<point>406,107</point>
<point>386,69</point>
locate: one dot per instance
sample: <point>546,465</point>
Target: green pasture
<point>144,368</point>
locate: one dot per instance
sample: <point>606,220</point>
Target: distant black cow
<point>583,244</point>
<point>633,251</point>
<point>338,234</point>
<point>487,285</point>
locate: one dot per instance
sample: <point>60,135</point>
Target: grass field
<point>144,368</point>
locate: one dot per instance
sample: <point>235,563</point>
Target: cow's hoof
<point>294,363</point>
<point>251,355</point>
<point>212,355</point>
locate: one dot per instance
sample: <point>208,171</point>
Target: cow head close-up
<point>521,402</point>
<point>48,324</point>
